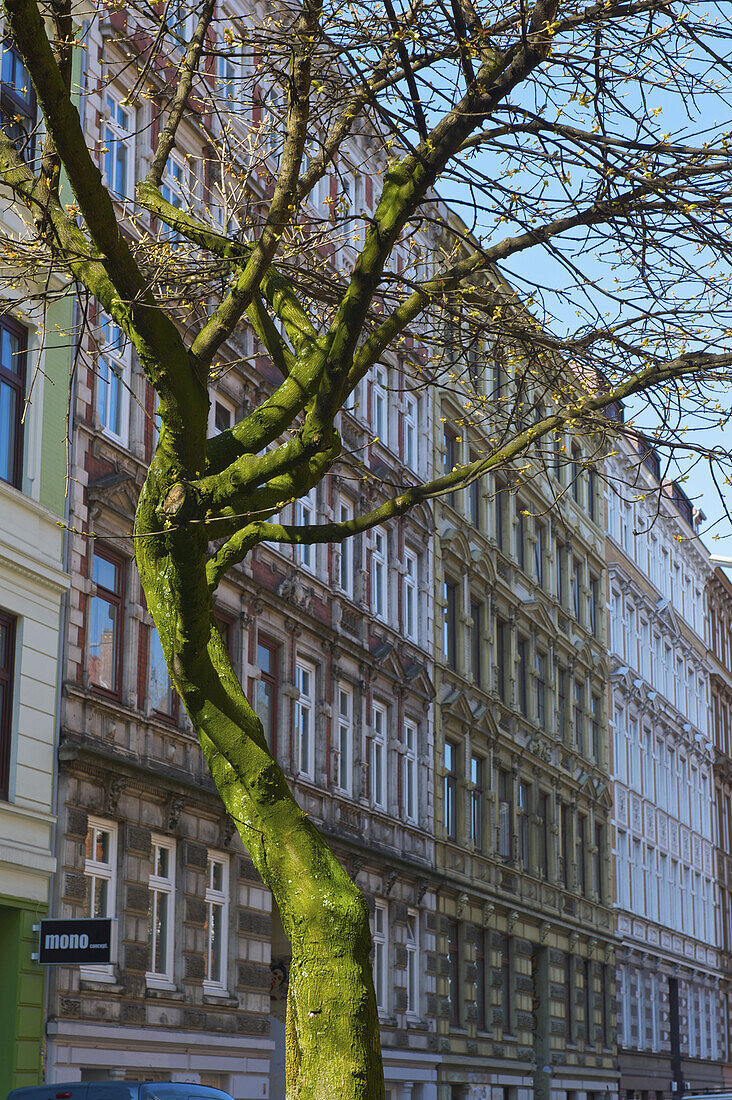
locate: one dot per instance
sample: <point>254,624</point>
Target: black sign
<point>87,941</point>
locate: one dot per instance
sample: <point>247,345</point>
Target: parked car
<point>119,1090</point>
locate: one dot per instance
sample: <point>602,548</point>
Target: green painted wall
<point>21,997</point>
<point>59,350</point>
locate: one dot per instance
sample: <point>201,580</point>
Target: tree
<point>544,123</point>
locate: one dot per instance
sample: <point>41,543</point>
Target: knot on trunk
<point>179,504</point>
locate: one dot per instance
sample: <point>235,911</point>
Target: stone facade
<point>522,806</point>
<point>671,1007</point>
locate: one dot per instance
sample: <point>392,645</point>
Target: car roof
<point>115,1090</point>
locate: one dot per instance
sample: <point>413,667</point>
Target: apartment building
<point>522,798</point>
<point>334,643</point>
<point>35,362</point>
<point>719,609</point>
<point>672,1008</point>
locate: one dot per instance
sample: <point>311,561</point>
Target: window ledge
<point>163,992</point>
<point>222,998</point>
<point>100,985</point>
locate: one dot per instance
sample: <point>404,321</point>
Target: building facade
<point>522,802</point>
<point>35,361</point>
<point>719,605</point>
<point>672,1008</point>
<point>333,643</point>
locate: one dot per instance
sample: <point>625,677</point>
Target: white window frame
<point>305,515</point>
<point>410,791</point>
<point>162,886</point>
<point>114,370</point>
<point>347,558</point>
<point>118,133</point>
<point>344,770</point>
<point>305,718</point>
<point>379,407</point>
<point>217,899</point>
<point>378,574</point>
<point>229,75</point>
<point>412,946</point>
<point>174,188</point>
<point>410,595</point>
<point>409,441</point>
<point>226,404</point>
<point>378,755</point>
<point>380,937</point>
<point>98,871</point>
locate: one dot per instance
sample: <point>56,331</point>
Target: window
<point>7,664</point>
<point>409,442</point>
<point>562,702</point>
<point>476,642</point>
<point>453,971</point>
<point>217,923</point>
<point>576,588</point>
<point>565,822</point>
<point>378,575</point>
<point>523,822</point>
<point>449,458</point>
<point>378,756</point>
<point>13,343</point>
<point>476,802</point>
<point>181,20</point>
<point>521,535</point>
<point>561,570</point>
<point>412,963</point>
<point>118,148</point>
<point>506,999</point>
<point>542,832</point>
<point>347,564</point>
<point>344,770</point>
<point>592,494</point>
<point>100,873</point>
<point>379,935</point>
<point>161,696</point>
<point>576,473</point>
<point>229,83</point>
<point>450,790</point>
<point>522,651</point>
<point>223,416</point>
<point>473,495</point>
<point>17,102</point>
<point>569,991</point>
<point>173,190</point>
<point>595,727</point>
<point>105,621</point>
<point>539,551</point>
<point>579,717</point>
<point>379,407</point>
<point>587,998</point>
<point>410,609</point>
<point>161,886</point>
<point>505,814</point>
<point>304,715</point>
<point>582,853</point>
<point>480,986</point>
<point>113,379</point>
<point>410,791</point>
<point>593,603</point>
<point>305,517</point>
<point>266,689</point>
<point>502,659</point>
<point>540,661</point>
<point>450,623</point>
